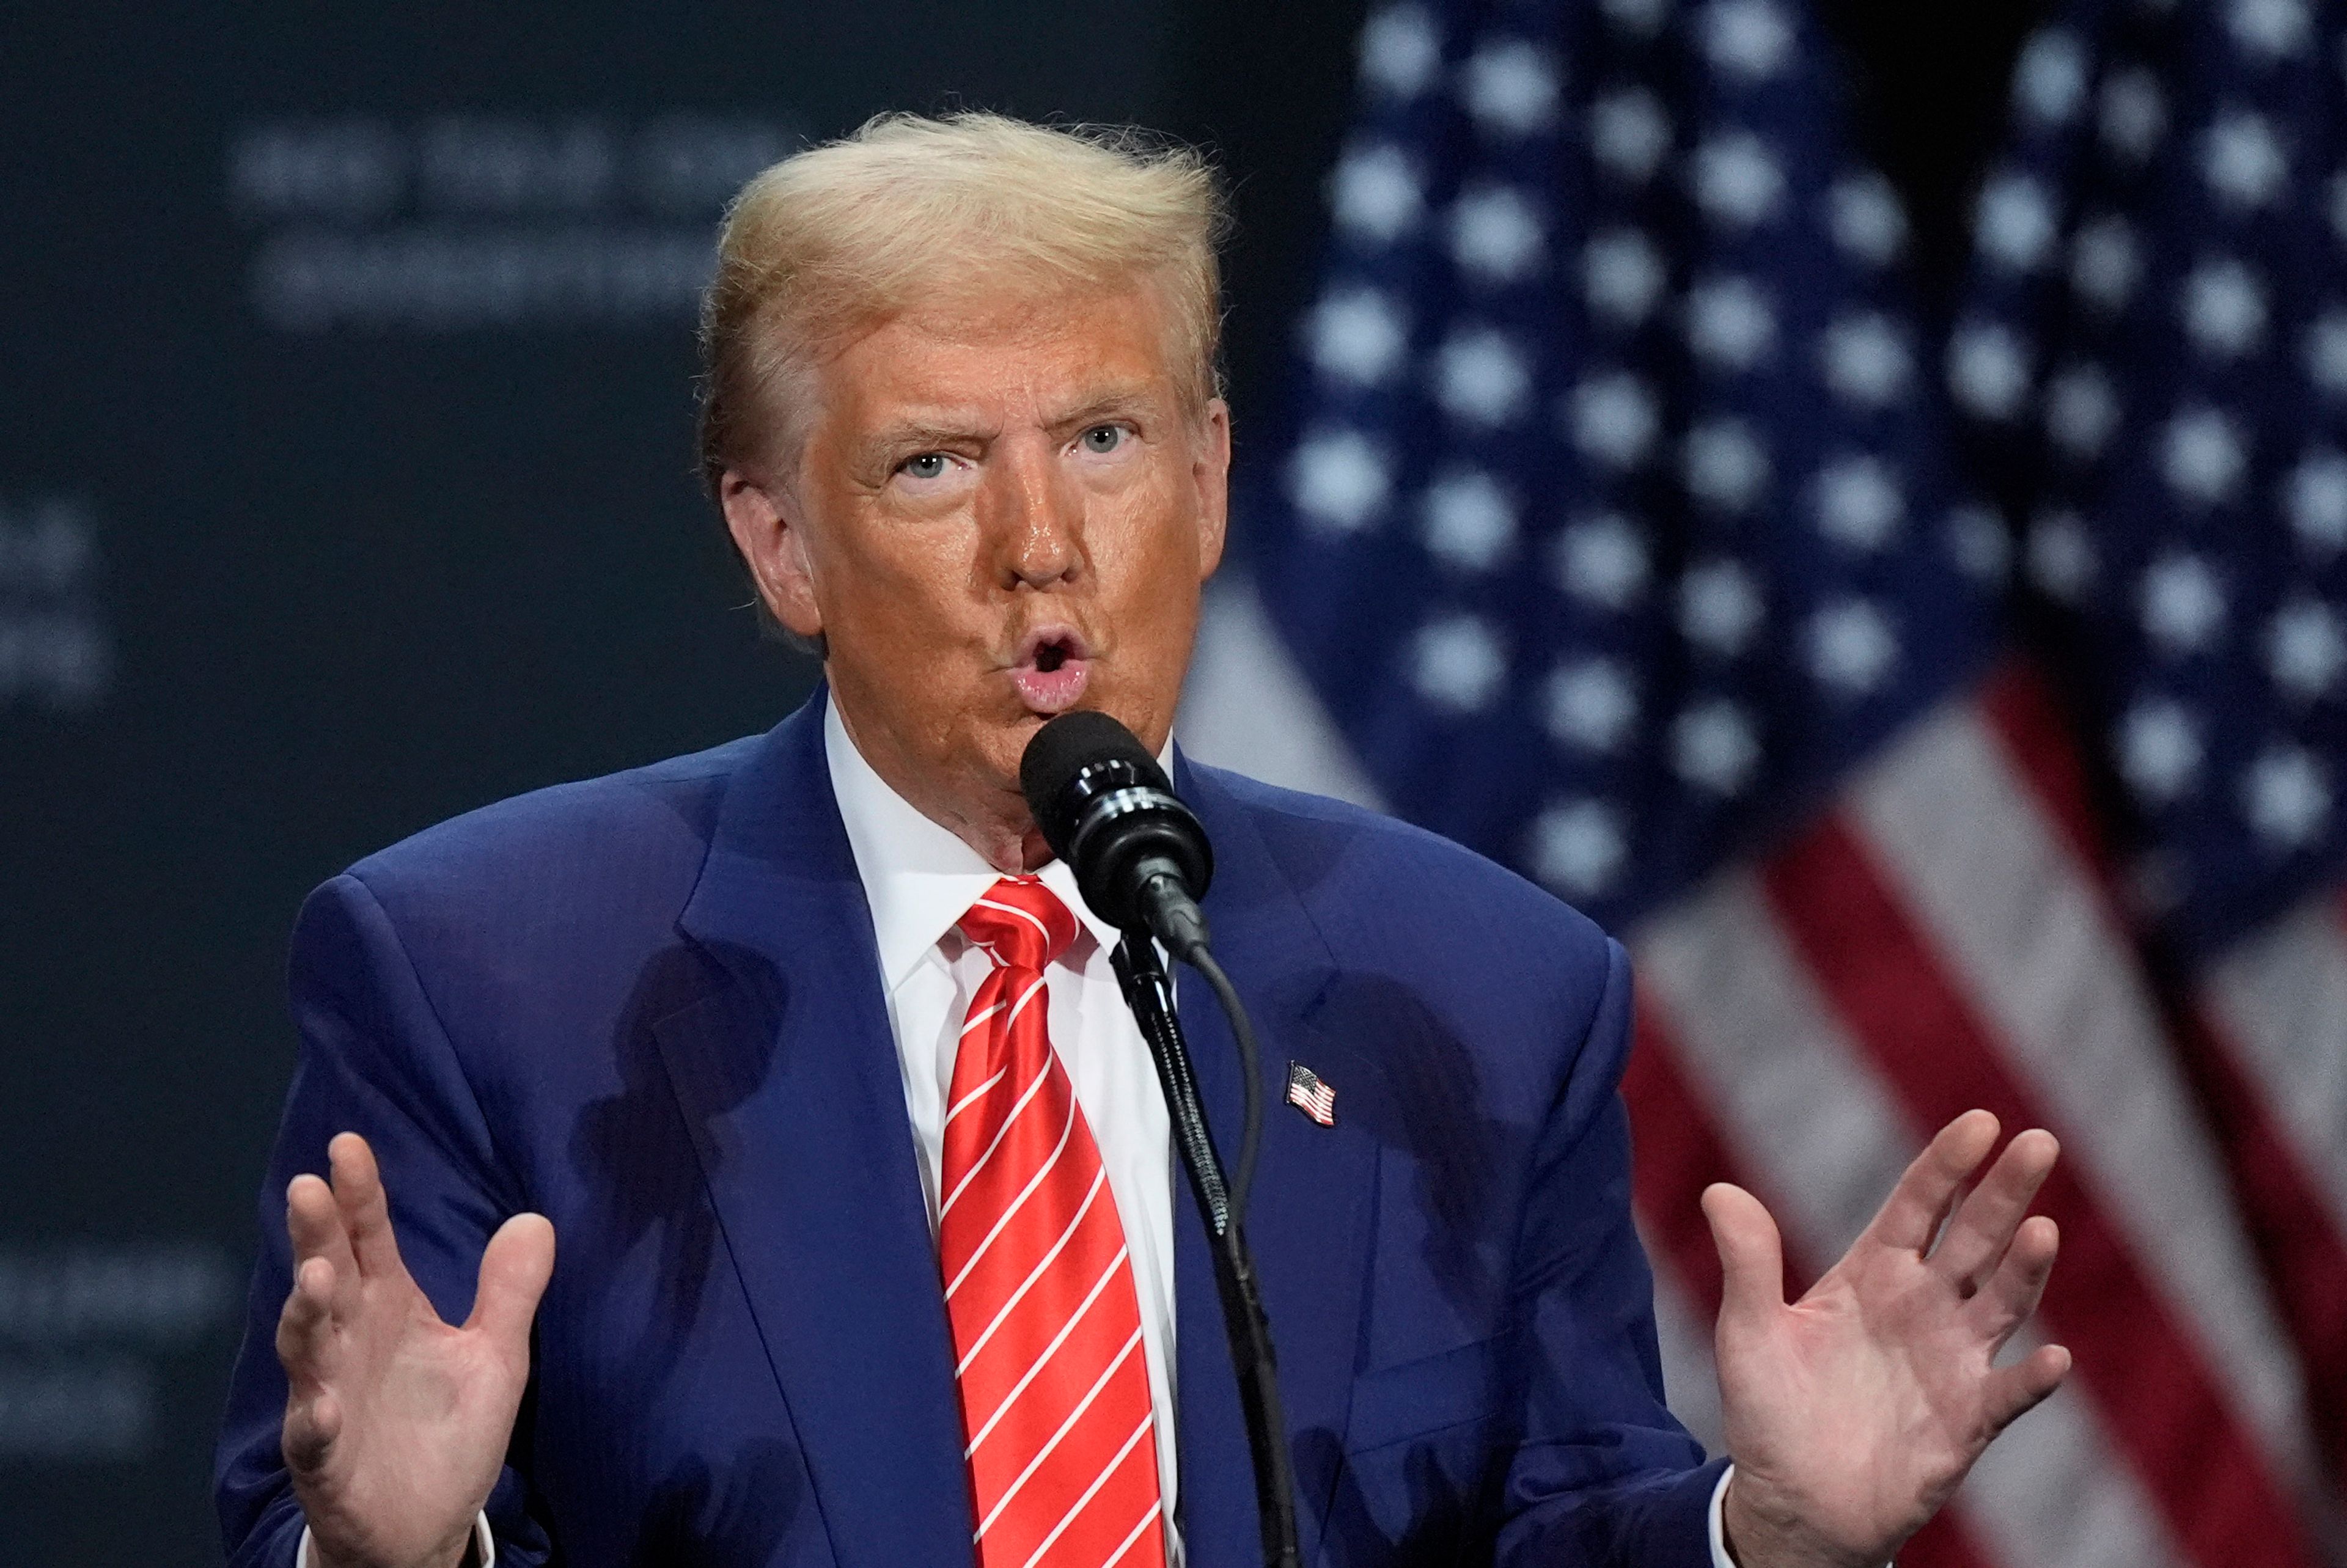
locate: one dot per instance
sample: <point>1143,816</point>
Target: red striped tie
<point>1047,1331</point>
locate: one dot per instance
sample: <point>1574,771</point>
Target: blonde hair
<point>844,235</point>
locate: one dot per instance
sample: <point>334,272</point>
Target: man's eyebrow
<point>922,431</point>
<point>1119,399</point>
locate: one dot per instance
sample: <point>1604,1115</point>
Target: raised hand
<point>1853,1413</point>
<point>396,1423</point>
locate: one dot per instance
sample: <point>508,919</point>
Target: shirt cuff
<point>485,1545</point>
<point>1719,1557</point>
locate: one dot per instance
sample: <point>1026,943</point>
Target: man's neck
<point>1002,832</point>
<point>1005,838</point>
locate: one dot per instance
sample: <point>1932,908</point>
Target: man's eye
<point>927,466</point>
<point>1104,438</point>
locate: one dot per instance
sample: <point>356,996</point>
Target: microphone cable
<point>1250,1125</point>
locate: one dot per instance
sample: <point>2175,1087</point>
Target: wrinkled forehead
<point>982,369</point>
<point>983,350</point>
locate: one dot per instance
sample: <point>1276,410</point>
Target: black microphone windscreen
<point>1063,748</point>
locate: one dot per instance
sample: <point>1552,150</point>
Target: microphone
<point>1105,807</point>
<point>1142,863</point>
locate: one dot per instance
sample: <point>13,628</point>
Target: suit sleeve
<point>1604,1476</point>
<point>373,1059</point>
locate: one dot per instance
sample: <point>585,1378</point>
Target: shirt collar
<point>918,877</point>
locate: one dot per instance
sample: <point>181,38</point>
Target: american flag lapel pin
<point>1309,1095</point>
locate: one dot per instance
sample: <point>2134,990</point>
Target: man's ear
<point>1210,470</point>
<point>773,547</point>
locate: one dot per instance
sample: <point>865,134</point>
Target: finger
<point>306,1326</point>
<point>2014,1391</point>
<point>1985,1222</point>
<point>2012,1292</point>
<point>1911,1215</point>
<point>312,1425</point>
<point>515,1267</point>
<point>366,1211</point>
<point>1751,1254</point>
<point>313,1221</point>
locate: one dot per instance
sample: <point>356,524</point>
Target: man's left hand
<point>1853,1413</point>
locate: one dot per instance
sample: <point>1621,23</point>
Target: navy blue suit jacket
<point>649,1007</point>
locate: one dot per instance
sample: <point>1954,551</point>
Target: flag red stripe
<point>1883,978</point>
<point>2288,1224</point>
<point>2023,715</point>
<point>1676,1151</point>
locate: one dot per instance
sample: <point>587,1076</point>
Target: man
<point>869,1247</point>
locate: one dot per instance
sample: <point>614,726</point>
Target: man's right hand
<point>395,1424</point>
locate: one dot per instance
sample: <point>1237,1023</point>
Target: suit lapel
<point>1310,1216</point>
<point>787,1072</point>
<point>788,1075</point>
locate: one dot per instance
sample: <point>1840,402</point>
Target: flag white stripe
<point>1247,705</point>
<point>1767,1052</point>
<point>1801,1109</point>
<point>2024,931</point>
<point>2047,1490</point>
<point>2281,999</point>
<point>1690,1376</point>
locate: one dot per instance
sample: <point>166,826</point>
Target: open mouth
<point>1053,667</point>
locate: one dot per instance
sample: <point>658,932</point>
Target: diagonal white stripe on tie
<point>1032,1274</point>
<point>1025,1096</point>
<point>1099,1481</point>
<point>1044,1360</point>
<point>1065,1428</point>
<point>1067,1130</point>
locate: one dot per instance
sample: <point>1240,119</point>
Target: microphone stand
<point>1150,994</point>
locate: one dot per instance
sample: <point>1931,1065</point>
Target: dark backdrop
<point>345,484</point>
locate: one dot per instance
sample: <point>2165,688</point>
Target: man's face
<point>1003,510</point>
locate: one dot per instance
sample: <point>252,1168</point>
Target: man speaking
<point>750,1159</point>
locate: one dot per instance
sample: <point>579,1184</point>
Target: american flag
<point>1308,1094</point>
<point>1620,524</point>
<point>2151,367</point>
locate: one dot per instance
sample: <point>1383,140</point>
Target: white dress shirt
<point>919,879</point>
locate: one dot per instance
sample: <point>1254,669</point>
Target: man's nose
<point>1036,528</point>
